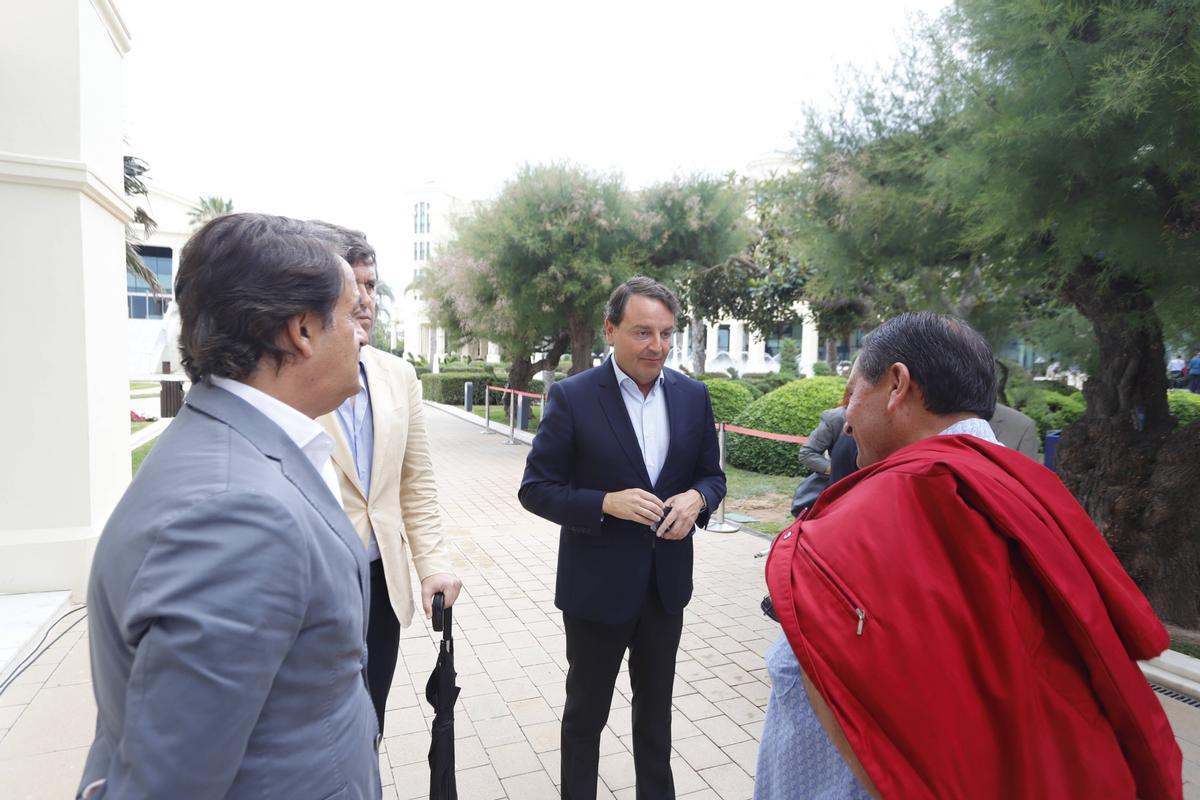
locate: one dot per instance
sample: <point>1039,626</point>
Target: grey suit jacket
<point>227,611</point>
<point>1015,430</point>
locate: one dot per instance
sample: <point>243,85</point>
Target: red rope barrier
<point>776,437</point>
<point>534,395</point>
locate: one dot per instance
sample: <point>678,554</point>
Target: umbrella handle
<point>441,614</point>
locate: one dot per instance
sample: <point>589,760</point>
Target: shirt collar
<point>972,426</point>
<point>302,430</point>
<point>622,377</point>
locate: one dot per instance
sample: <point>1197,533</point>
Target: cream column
<point>63,308</point>
<point>808,339</point>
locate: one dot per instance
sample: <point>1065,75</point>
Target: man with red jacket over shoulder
<point>977,639</point>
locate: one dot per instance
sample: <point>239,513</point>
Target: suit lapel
<point>343,460</point>
<point>618,418</point>
<point>270,439</point>
<point>382,403</point>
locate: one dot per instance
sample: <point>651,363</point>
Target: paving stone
<point>513,759</point>
<point>700,752</point>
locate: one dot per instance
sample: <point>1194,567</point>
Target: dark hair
<point>241,278</point>
<point>351,244</point>
<point>646,287</point>
<point>945,356</point>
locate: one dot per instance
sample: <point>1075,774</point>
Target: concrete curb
<point>1175,671</point>
<point>501,430</point>
<point>148,433</point>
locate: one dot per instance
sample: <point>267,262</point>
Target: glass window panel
<point>137,306</point>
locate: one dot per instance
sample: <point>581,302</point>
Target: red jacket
<point>973,633</point>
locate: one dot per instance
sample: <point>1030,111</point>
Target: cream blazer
<point>403,506</point>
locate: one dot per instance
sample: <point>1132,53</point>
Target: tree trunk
<point>831,350</point>
<point>1133,474</point>
<point>1001,382</point>
<point>699,344</point>
<point>583,336</point>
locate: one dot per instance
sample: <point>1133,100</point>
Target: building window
<point>723,339</point>
<point>421,218</point>
<point>143,303</point>
<point>745,340</point>
<point>793,331</point>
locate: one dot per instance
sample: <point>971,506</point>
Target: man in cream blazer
<point>381,456</point>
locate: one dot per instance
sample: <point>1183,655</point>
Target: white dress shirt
<point>310,437</point>
<point>649,418</point>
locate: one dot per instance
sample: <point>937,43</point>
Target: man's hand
<point>635,505</point>
<point>439,582</point>
<point>685,508</point>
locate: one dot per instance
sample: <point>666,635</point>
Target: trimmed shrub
<point>766,382</point>
<point>729,398</point>
<point>1184,405</point>
<point>789,351</point>
<point>447,387</point>
<point>793,409</point>
<point>1051,410</point>
<point>821,369</point>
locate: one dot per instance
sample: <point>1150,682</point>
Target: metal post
<point>468,396</point>
<point>512,418</point>
<point>487,409</point>
<point>721,526</point>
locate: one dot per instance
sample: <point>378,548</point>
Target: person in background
<point>385,476</point>
<point>954,625</point>
<point>1015,430</point>
<point>822,455</point>
<point>228,596</point>
<point>1175,368</point>
<point>1193,370</point>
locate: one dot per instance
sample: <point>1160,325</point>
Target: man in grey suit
<point>1015,430</point>
<point>228,597</point>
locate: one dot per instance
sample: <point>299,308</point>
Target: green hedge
<point>822,369</point>
<point>1051,408</point>
<point>447,387</point>
<point>794,409</point>
<point>1184,405</point>
<point>764,383</point>
<point>729,398</point>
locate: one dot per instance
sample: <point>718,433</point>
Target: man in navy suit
<point>626,461</point>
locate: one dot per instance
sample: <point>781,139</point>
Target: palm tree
<point>209,208</point>
<point>383,315</point>
<point>135,186</point>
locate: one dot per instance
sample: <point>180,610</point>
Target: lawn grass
<point>1185,646</point>
<point>134,385</point>
<point>499,416</point>
<point>140,454</point>
<point>767,498</point>
<point>134,427</point>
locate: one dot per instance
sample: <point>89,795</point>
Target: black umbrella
<point>441,693</point>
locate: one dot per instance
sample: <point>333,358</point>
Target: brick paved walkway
<point>510,657</point>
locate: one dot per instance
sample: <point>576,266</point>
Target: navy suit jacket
<point>585,447</point>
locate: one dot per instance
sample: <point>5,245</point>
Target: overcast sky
<point>333,110</point>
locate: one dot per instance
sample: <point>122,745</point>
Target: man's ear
<point>900,386</point>
<point>608,331</point>
<point>296,336</point>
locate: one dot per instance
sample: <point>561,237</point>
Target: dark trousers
<point>594,653</point>
<point>383,641</point>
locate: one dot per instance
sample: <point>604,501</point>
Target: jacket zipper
<point>835,584</point>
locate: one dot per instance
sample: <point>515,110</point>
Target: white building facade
<point>433,210</point>
<point>149,344</point>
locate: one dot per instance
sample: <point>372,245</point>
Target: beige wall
<point>62,314</point>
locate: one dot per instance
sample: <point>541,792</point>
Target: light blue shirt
<point>796,757</point>
<point>355,417</point>
<point>649,418</point>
